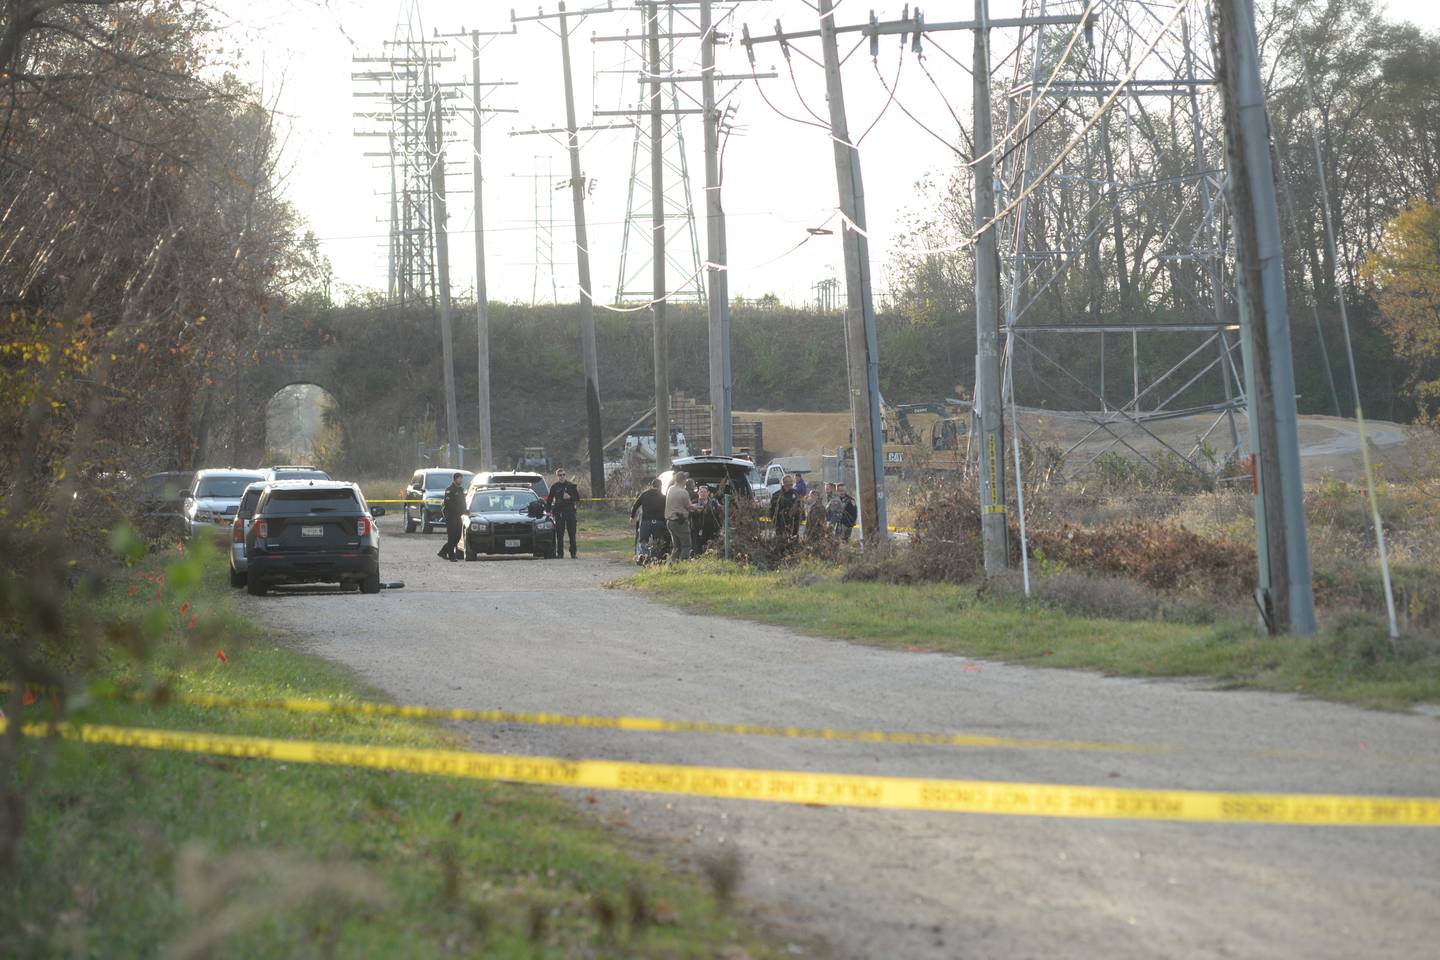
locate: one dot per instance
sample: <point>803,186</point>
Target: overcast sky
<point>779,175</point>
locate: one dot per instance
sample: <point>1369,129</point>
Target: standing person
<point>785,509</point>
<point>453,508</point>
<point>815,522</point>
<point>845,513</point>
<point>800,486</point>
<point>677,517</point>
<point>647,514</point>
<point>706,522</point>
<point>563,498</point>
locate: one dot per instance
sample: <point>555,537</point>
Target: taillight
<point>362,527</point>
<point>237,531</point>
<point>262,530</point>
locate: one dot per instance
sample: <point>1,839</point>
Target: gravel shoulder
<point>537,635</point>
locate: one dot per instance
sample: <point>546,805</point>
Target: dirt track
<point>548,636</point>
<point>1329,446</point>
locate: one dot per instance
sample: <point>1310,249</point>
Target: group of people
<point>831,512</point>
<point>559,505</point>
<point>688,517</point>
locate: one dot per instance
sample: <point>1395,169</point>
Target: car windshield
<point>222,488</point>
<point>300,503</point>
<point>439,481</point>
<point>301,475</point>
<point>501,501</point>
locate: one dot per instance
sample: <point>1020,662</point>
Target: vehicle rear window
<point>509,501</point>
<point>439,481</point>
<point>222,488</point>
<point>247,504</point>
<point>299,503</point>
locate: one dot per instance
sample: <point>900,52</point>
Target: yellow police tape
<point>635,724</point>
<point>777,786</point>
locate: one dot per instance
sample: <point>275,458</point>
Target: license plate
<point>512,543</point>
<point>312,531</point>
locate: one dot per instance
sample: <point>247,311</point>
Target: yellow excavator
<point>939,445</point>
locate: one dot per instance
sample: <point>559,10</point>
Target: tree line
<point>1363,90</point>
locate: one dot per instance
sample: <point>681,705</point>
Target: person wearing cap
<point>453,509</point>
<point>564,497</point>
<point>678,508</point>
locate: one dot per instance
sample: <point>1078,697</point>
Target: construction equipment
<point>940,446</point>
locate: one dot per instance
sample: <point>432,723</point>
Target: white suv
<point>214,498</point>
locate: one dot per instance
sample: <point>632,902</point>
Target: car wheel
<point>237,579</point>
<point>371,583</point>
<point>254,585</point>
<point>409,523</point>
<point>470,554</point>
<point>426,526</point>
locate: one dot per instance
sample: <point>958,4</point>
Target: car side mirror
<point>377,511</point>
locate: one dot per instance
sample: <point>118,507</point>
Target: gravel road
<point>537,635</point>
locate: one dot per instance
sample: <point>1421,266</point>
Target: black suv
<point>425,497</point>
<point>509,521</point>
<point>312,531</point>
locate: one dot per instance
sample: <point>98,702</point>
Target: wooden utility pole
<point>717,284</point>
<point>863,353</point>
<point>482,319</point>
<point>993,531</point>
<point>436,130</point>
<point>1286,593</point>
<point>657,240</point>
<point>588,353</point>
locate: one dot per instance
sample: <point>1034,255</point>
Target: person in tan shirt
<point>677,517</point>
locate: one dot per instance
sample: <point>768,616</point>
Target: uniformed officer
<point>454,510</point>
<point>564,497</point>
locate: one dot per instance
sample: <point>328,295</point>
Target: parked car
<point>733,475</point>
<point>511,478</point>
<point>425,497</point>
<point>312,531</point>
<point>214,498</point>
<point>160,502</point>
<point>294,472</point>
<point>239,528</point>
<point>507,521</point>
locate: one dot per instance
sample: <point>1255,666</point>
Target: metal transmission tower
<point>1111,239</point>
<point>544,228</point>
<point>682,261</point>
<point>394,83</point>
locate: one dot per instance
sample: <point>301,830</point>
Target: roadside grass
<point>1351,661</point>
<point>137,853</point>
<point>606,529</point>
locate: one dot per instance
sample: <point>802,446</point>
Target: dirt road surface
<point>1329,446</point>
<point>538,635</point>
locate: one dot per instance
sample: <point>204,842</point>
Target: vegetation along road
<point>550,636</point>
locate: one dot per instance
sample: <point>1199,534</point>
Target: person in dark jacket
<point>454,509</point>
<point>647,514</point>
<point>786,509</point>
<point>564,497</point>
<point>707,521</point>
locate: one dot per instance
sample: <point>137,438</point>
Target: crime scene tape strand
<point>639,724</point>
<point>775,786</point>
